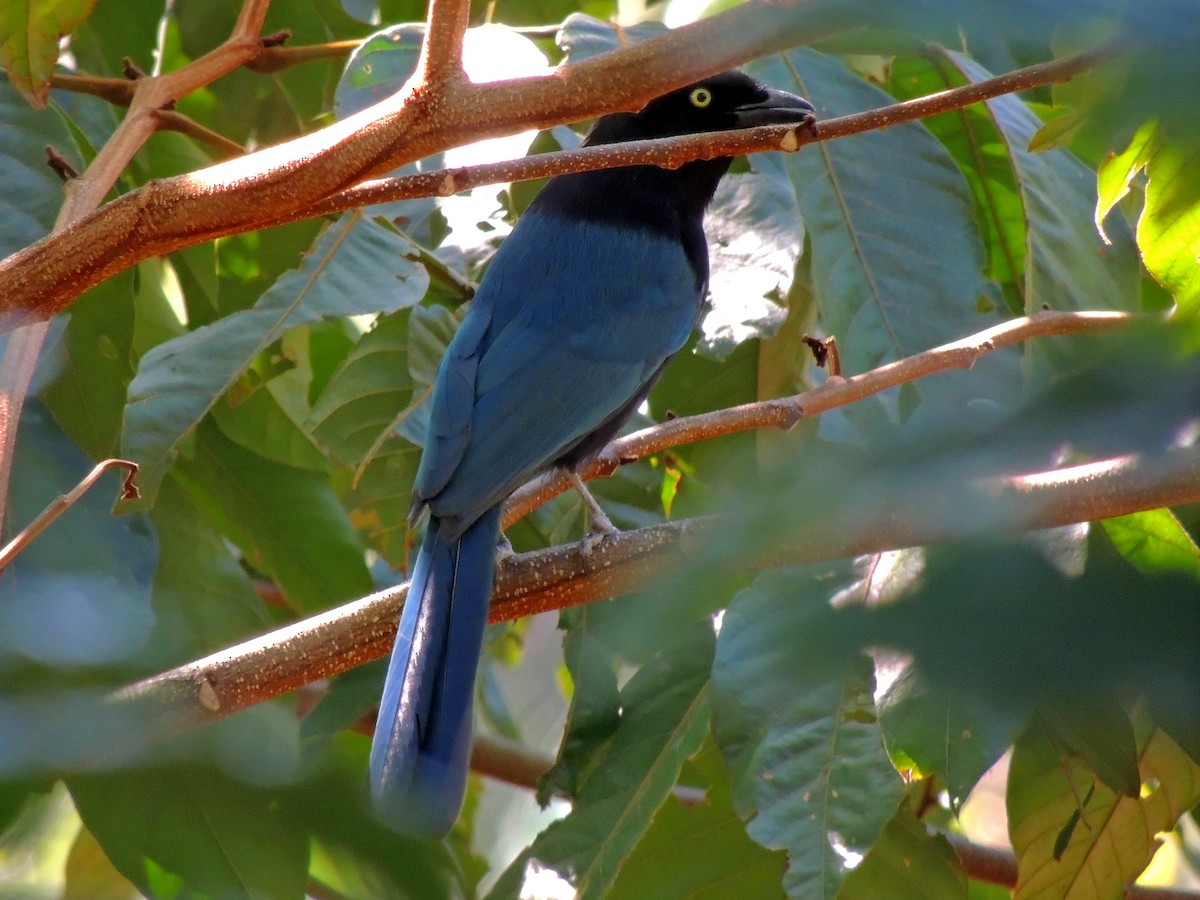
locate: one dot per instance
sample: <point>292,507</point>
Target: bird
<point>598,285</point>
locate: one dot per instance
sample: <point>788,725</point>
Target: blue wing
<point>538,364</point>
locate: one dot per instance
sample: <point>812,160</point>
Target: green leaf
<point>1002,625</point>
<point>380,498</point>
<point>92,365</point>
<point>1114,838</point>
<point>1169,230</point>
<point>908,862</point>
<point>31,193</point>
<point>1068,266</point>
<point>100,43</point>
<point>287,521</point>
<point>356,420</point>
<point>1097,730</point>
<point>29,35</point>
<point>582,36</point>
<point>754,238</point>
<point>430,331</point>
<point>595,708</point>
<point>939,732</point>
<point>354,849</point>
<point>1117,171</point>
<point>1059,130</point>
<point>79,595</point>
<point>364,396</point>
<point>664,717</point>
<point>796,720</point>
<point>266,412</point>
<point>203,599</point>
<point>356,266</point>
<point>259,422</point>
<point>1154,541</point>
<point>195,827</point>
<point>378,67</point>
<point>887,285</point>
<point>980,149</point>
<point>704,841</point>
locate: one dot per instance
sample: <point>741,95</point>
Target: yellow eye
<point>701,97</point>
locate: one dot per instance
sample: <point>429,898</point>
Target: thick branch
<point>359,632</point>
<point>305,177</point>
<point>340,639</point>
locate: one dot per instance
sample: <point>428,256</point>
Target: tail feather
<point>423,735</point>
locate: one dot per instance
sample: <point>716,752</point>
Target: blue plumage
<point>598,285</point>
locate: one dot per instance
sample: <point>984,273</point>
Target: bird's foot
<point>504,548</point>
<point>602,527</point>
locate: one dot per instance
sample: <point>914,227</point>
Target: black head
<point>720,103</point>
<point>671,201</point>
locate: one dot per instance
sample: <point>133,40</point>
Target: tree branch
<point>84,194</point>
<point>785,412</point>
<point>61,504</point>
<point>441,63</point>
<point>318,174</point>
<point>337,640</point>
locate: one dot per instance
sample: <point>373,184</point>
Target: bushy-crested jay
<point>598,285</point>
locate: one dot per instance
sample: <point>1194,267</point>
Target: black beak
<point>777,108</point>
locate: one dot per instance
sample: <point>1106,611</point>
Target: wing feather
<point>537,365</point>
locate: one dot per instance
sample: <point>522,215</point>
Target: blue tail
<point>423,736</point>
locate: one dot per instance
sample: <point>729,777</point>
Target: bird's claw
<point>600,532</point>
<point>504,548</point>
<point>602,527</point>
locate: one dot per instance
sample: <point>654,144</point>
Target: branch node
<point>131,70</point>
<point>207,695</point>
<point>278,39</point>
<point>825,353</point>
<point>605,463</point>
<point>793,413</point>
<point>59,164</point>
<point>790,142</point>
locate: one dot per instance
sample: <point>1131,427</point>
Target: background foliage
<point>271,386</point>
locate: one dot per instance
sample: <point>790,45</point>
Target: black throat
<point>668,202</point>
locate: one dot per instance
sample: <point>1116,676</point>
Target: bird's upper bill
<point>777,108</point>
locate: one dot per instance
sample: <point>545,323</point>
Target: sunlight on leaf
<point>1115,836</point>
<point>29,34</point>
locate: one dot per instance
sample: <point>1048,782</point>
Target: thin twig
<point>170,120</point>
<point>64,502</point>
<point>522,766</point>
<point>276,59</point>
<point>117,91</point>
<point>787,411</point>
